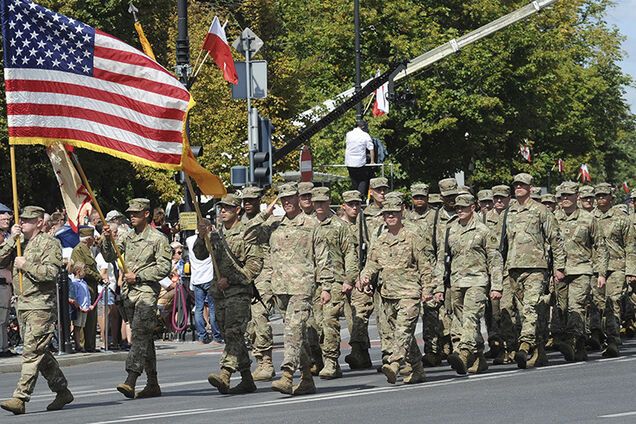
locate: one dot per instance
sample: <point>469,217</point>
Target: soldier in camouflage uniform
<point>614,224</point>
<point>630,270</point>
<point>34,282</point>
<point>398,257</point>
<point>587,197</point>
<point>435,201</point>
<point>549,201</point>
<point>359,304</point>
<point>586,257</point>
<point>298,259</point>
<point>486,203</point>
<point>238,262</point>
<point>470,260</point>
<point>147,260</point>
<point>344,265</point>
<point>535,194</point>
<point>529,227</point>
<point>82,253</point>
<point>259,329</point>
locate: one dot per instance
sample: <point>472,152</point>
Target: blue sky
<point>623,15</point>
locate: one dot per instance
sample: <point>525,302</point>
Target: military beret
<point>569,187</point>
<point>30,212</point>
<point>501,190</point>
<point>4,208</point>
<point>484,195</point>
<point>604,188</point>
<point>138,205</point>
<point>351,196</point>
<point>434,199</point>
<point>287,189</point>
<point>448,187</point>
<point>464,200</point>
<point>320,194</point>
<point>392,204</point>
<point>419,189</point>
<point>86,231</point>
<point>522,178</point>
<point>586,191</point>
<point>305,187</point>
<point>252,193</point>
<point>379,182</point>
<point>548,198</point>
<point>230,200</point>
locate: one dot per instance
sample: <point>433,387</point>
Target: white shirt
<point>358,142</point>
<point>201,271</point>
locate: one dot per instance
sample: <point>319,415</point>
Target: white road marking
<point>622,414</point>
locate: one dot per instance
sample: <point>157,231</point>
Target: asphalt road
<point>598,391</point>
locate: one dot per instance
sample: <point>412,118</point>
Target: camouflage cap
<point>569,187</point>
<point>30,212</point>
<point>604,188</point>
<point>379,182</point>
<point>522,178</point>
<point>113,215</point>
<point>351,196</point>
<point>287,189</point>
<point>419,189</point>
<point>251,193</point>
<point>86,231</point>
<point>230,200</point>
<point>501,190</point>
<point>586,191</point>
<point>535,193</point>
<point>434,199</point>
<point>138,205</point>
<point>464,200</point>
<point>320,194</point>
<point>448,187</point>
<point>4,208</point>
<point>485,195</point>
<point>305,187</point>
<point>548,198</point>
<point>398,195</point>
<point>392,204</point>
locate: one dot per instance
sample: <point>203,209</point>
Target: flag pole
<point>16,205</point>
<point>79,168</point>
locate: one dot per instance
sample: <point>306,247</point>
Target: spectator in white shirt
<point>358,142</point>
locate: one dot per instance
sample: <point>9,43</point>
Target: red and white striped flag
<point>625,187</point>
<point>381,103</point>
<point>524,150</point>
<point>216,44</point>
<point>68,82</point>
<point>584,174</point>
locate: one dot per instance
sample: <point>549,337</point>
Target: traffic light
<point>261,159</point>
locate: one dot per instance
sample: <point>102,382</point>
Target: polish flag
<point>216,44</point>
<point>584,174</point>
<point>625,187</point>
<point>561,166</point>
<point>524,150</point>
<point>381,104</point>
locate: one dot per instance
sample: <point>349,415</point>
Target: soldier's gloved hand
<point>325,297</point>
<point>19,262</point>
<point>347,288</point>
<point>602,280</point>
<point>223,284</point>
<point>439,297</point>
<point>559,275</point>
<point>495,295</point>
<point>16,231</point>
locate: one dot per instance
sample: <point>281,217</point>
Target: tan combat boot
<point>127,388</point>
<point>245,386</point>
<point>521,357</point>
<point>391,371</point>
<point>539,357</point>
<point>152,388</point>
<point>14,405</point>
<point>331,370</point>
<point>62,398</point>
<point>221,380</point>
<point>285,383</point>
<point>265,369</point>
<point>407,369</point>
<point>417,374</point>
<point>306,385</point>
<point>317,366</point>
<point>459,361</point>
<point>479,364</point>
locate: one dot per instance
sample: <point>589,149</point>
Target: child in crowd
<point>80,299</point>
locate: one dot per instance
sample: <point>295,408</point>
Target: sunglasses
<point>177,251</point>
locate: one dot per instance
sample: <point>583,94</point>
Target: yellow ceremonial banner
<point>145,44</point>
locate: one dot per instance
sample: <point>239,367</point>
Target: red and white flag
<point>560,166</point>
<point>381,104</point>
<point>625,187</point>
<point>524,150</point>
<point>584,174</point>
<point>216,44</point>
<point>74,194</point>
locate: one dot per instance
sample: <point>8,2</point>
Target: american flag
<point>66,81</point>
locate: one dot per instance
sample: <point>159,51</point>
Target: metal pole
<point>105,299</point>
<point>183,71</point>
<point>248,90</point>
<point>356,23</point>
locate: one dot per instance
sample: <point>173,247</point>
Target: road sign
<point>247,38</point>
<point>258,73</point>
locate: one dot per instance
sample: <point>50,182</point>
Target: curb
<point>70,360</point>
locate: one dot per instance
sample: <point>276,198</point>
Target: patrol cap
<point>397,195</point>
<point>485,195</point>
<point>569,187</point>
<point>230,200</point>
<point>464,190</point>
<point>379,182</point>
<point>113,215</point>
<point>501,190</point>
<point>287,189</point>
<point>604,188</point>
<point>392,204</point>
<point>586,191</point>
<point>138,205</point>
<point>4,208</point>
<point>464,200</point>
<point>448,187</point>
<point>320,194</point>
<point>434,199</point>
<point>30,212</point>
<point>351,196</point>
<point>535,193</point>
<point>252,193</point>
<point>86,231</point>
<point>523,178</point>
<point>548,198</point>
<point>419,189</point>
<point>305,187</point>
